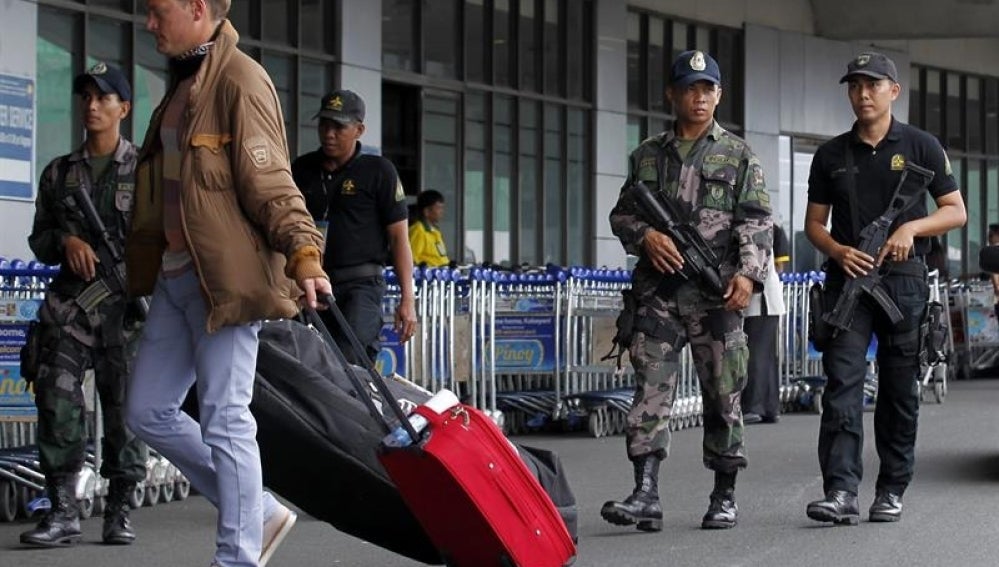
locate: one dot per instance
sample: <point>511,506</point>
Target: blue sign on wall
<point>17,134</point>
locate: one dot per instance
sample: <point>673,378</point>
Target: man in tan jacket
<point>220,236</point>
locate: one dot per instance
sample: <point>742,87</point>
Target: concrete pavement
<point>950,509</point>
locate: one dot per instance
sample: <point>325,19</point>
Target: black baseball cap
<point>108,80</point>
<point>872,64</point>
<point>692,66</point>
<point>342,106</point>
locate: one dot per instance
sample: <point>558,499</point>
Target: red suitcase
<point>465,482</point>
<point>472,494</point>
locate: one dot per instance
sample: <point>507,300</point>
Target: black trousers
<point>841,434</point>
<point>361,303</point>
<point>762,392</point>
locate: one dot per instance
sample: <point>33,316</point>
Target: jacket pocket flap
<point>213,142</point>
<point>724,174</point>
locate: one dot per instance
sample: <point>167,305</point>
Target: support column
<point>610,131</point>
<point>360,69</point>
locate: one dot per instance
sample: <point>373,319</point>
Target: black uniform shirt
<point>877,174</point>
<point>358,200</point>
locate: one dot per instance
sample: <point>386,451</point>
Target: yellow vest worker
<point>425,239</point>
<point>427,243</point>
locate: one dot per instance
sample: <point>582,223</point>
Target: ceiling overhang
<point>902,19</point>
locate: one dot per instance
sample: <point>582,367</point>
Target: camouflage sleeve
<point>753,223</point>
<point>47,232</point>
<point>625,220</point>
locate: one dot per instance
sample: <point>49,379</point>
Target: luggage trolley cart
<point>933,376</point>
<point>517,336</point>
<point>22,286</point>
<point>976,336</point>
<point>594,390</point>
<point>395,356</point>
<point>801,378</point>
<point>599,393</point>
<point>443,297</point>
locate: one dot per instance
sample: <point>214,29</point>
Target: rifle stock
<point>699,261</point>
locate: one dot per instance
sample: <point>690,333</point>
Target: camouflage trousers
<point>720,354</point>
<point>72,342</point>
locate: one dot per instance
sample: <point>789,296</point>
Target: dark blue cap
<point>692,66</point>
<point>108,80</point>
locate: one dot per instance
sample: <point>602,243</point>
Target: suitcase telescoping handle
<point>362,355</point>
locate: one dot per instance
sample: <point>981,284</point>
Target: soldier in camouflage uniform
<point>82,323</point>
<point>715,180</point>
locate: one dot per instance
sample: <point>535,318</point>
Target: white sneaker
<point>275,529</point>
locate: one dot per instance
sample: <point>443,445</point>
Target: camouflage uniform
<point>74,338</point>
<point>720,187</point>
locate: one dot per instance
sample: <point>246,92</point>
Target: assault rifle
<point>909,190</point>
<point>111,267</point>
<point>699,260</point>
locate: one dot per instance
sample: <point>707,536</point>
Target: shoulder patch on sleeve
<point>259,151</point>
<point>400,194</point>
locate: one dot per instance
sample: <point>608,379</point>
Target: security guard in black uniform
<point>879,146</point>
<point>358,200</point>
<point>84,321</point>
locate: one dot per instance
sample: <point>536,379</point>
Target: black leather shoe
<point>771,419</point>
<point>750,418</point>
<point>887,507</point>
<point>838,507</point>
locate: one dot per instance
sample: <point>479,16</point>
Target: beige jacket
<point>245,222</point>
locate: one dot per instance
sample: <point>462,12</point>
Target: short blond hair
<point>219,8</point>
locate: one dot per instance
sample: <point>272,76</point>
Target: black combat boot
<point>642,507</point>
<point>838,507</point>
<point>722,511</point>
<point>117,528</point>
<point>61,525</point>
